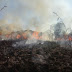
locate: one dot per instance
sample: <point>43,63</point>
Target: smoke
<point>34,14</point>
<point>7,26</point>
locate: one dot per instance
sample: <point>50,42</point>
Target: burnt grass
<point>47,57</point>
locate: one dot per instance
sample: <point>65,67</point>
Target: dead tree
<point>2,8</point>
<point>59,28</point>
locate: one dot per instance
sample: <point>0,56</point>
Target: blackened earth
<point>47,57</point>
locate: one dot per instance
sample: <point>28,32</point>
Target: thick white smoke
<point>35,14</point>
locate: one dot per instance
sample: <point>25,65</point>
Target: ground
<point>47,57</point>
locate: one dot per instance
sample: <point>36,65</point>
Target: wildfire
<point>35,35</point>
<point>18,36</point>
<point>7,35</point>
<point>70,38</point>
<point>24,35</point>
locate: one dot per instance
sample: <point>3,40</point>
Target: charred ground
<point>47,57</point>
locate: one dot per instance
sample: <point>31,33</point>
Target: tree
<point>3,3</point>
<point>59,28</point>
<point>3,8</point>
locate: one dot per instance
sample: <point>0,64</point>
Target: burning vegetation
<point>35,51</point>
<point>32,51</point>
<point>22,35</point>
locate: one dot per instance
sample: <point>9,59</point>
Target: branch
<point>2,8</point>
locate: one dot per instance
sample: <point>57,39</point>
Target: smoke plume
<point>34,14</point>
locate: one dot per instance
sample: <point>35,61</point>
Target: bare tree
<point>3,8</point>
<point>3,4</point>
<point>60,28</point>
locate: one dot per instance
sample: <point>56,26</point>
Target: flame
<point>7,35</point>
<point>35,35</point>
<point>70,38</point>
<point>18,36</point>
<point>24,35</point>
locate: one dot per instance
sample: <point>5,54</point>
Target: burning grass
<point>47,57</point>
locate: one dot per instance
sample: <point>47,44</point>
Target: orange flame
<point>24,35</point>
<point>70,38</point>
<point>7,36</point>
<point>35,35</point>
<point>18,36</point>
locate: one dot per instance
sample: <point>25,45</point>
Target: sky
<point>34,14</point>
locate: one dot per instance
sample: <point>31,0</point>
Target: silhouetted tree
<point>59,28</point>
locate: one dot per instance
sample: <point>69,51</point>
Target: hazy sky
<point>34,14</point>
